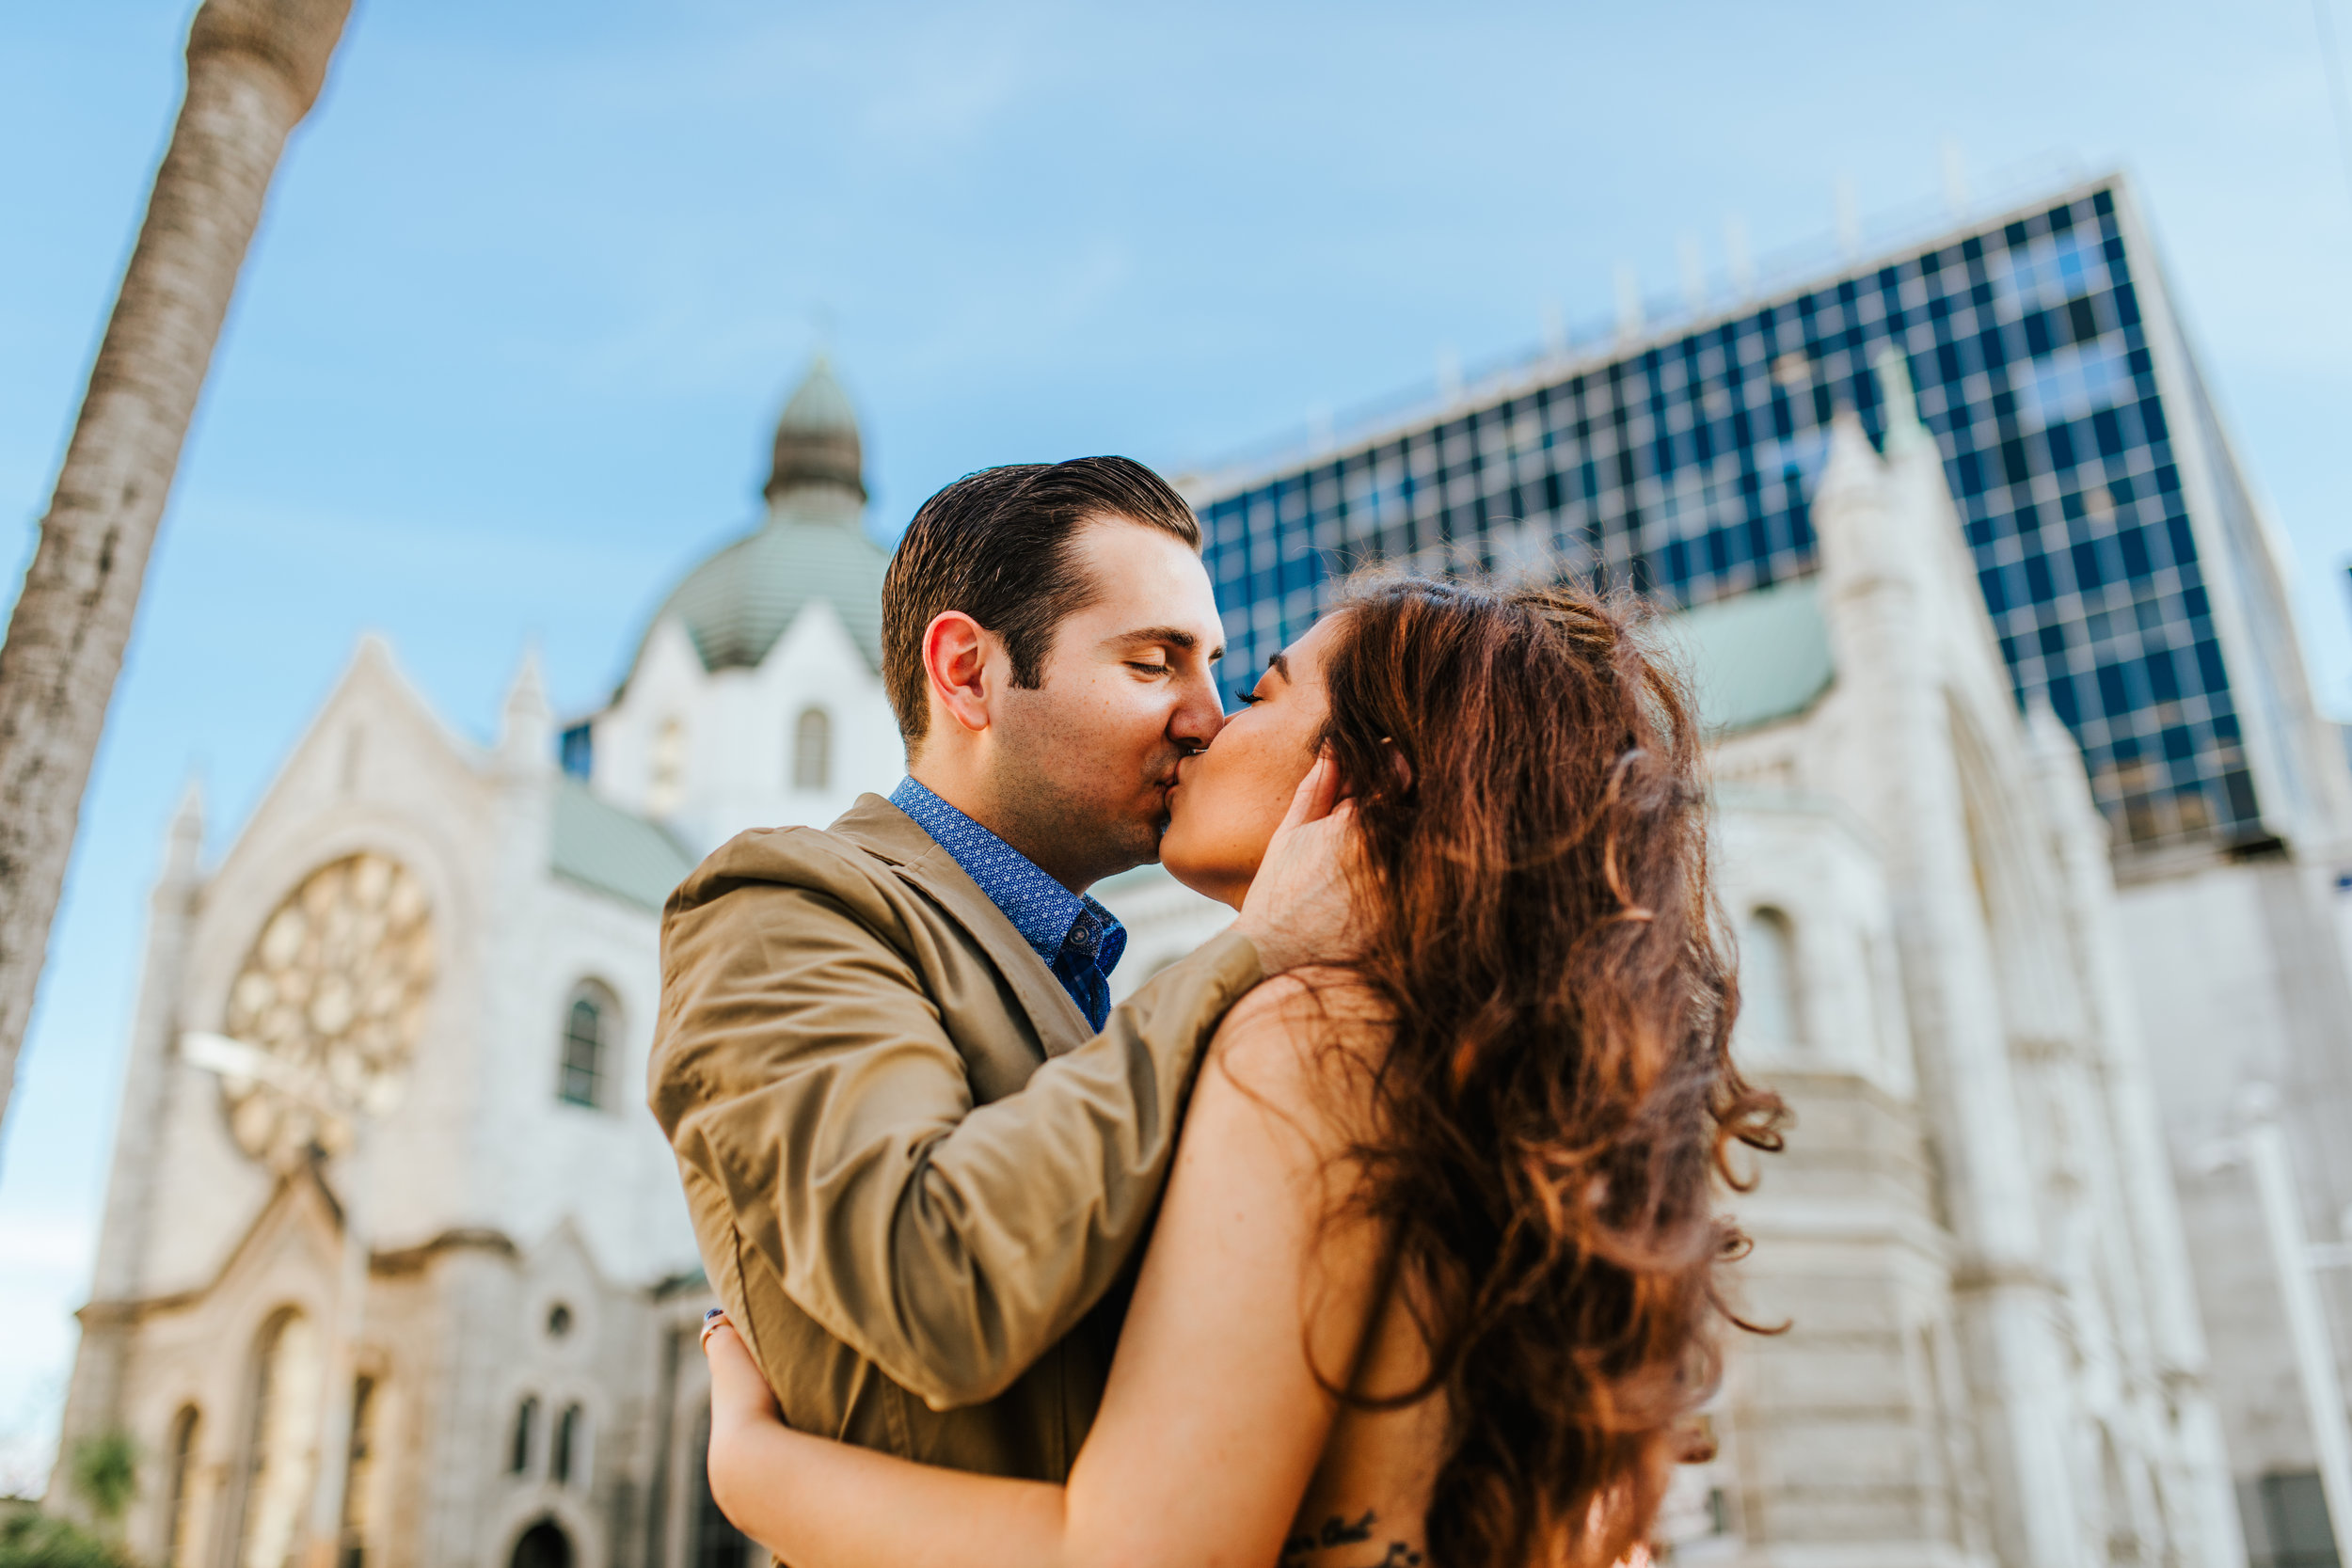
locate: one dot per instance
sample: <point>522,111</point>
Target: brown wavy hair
<point>1558,1100</point>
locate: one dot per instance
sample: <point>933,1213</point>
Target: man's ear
<point>959,656</point>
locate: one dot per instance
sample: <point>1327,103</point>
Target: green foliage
<point>106,1475</point>
<point>33,1540</point>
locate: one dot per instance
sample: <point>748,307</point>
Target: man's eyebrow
<point>1174,637</point>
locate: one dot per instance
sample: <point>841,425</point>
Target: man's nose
<point>1198,714</point>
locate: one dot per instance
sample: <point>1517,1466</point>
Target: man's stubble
<point>1050,788</point>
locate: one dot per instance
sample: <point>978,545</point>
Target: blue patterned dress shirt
<point>1079,940</point>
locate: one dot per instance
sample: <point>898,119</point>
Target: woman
<point>1435,1277</point>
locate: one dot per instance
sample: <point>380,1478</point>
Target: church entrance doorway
<point>544,1545</point>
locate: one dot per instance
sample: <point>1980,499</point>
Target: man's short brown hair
<point>1000,546</point>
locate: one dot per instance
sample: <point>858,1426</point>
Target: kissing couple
<point>1381,1230</point>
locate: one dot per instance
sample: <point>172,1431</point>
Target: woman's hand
<point>1300,908</point>
<point>741,1407</point>
<point>740,1397</point>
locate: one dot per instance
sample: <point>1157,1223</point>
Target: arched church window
<point>178,1550</point>
<point>589,1025</point>
<point>543,1545</point>
<point>668,784</point>
<point>571,1445</point>
<point>518,1445</point>
<point>359,1478</point>
<point>812,750</point>
<point>283,1418</point>
<point>1768,980</point>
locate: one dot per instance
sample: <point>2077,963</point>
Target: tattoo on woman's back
<point>1338,1531</point>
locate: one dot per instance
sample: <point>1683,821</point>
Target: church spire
<point>527,732</point>
<point>817,439</point>
<point>1904,432</point>
<point>184,840</point>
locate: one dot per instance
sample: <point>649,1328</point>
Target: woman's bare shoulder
<point>1310,1041</point>
<point>1310,996</point>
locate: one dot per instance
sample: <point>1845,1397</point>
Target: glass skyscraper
<point>2123,563</point>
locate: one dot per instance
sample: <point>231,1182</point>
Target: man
<point>919,1145</point>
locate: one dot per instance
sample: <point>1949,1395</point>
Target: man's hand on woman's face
<point>1300,908</point>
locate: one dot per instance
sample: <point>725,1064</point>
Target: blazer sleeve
<point>799,1066</point>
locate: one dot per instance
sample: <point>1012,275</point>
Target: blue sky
<point>535,279</point>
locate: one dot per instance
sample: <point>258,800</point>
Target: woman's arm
<point>1213,1419</point>
<point>817,1503</point>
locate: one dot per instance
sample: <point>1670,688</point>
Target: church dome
<point>817,440</point>
<point>813,546</point>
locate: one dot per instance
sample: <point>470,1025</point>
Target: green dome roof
<point>813,546</point>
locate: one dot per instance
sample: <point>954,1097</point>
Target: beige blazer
<point>915,1174</point>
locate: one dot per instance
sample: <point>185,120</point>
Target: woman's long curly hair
<point>1560,1098</point>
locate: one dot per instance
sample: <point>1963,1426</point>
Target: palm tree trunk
<point>254,69</point>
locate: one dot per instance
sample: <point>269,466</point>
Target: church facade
<point>394,1267</point>
<point>1993,1351</point>
<point>404,1276</point>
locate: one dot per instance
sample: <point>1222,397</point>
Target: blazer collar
<point>884,832</point>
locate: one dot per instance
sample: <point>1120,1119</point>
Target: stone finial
<point>2058,763</point>
<point>1922,503</point>
<point>1853,466</point>
<point>1905,433</point>
<point>527,734</point>
<point>1629,320</point>
<point>184,840</point>
<point>1853,513</point>
<point>2046,733</point>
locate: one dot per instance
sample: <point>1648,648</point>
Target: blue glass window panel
<point>2184,543</point>
<point>2088,573</point>
<point>2062,701</point>
<point>2030,361</point>
<point>2071,383</point>
<point>2239,788</point>
<point>577,750</point>
<point>2131,544</point>
<point>2210,672</point>
<point>2115,697</point>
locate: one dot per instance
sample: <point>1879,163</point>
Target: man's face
<point>1082,764</point>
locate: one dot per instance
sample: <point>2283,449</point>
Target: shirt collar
<point>1048,915</point>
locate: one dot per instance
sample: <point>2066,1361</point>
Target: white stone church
<point>394,1267</point>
